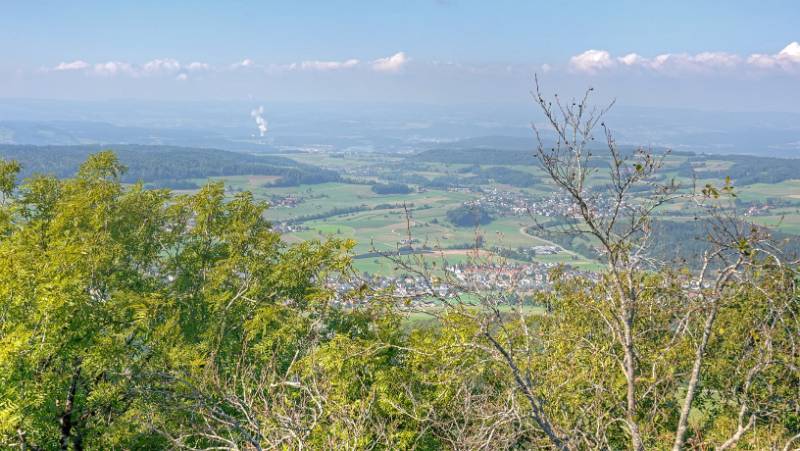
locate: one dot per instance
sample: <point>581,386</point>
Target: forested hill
<point>160,164</point>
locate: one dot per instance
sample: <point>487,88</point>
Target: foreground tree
<point>664,328</point>
<point>109,295</point>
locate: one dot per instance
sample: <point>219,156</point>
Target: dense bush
<point>469,216</point>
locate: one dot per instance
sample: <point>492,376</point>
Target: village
<point>516,203</point>
<point>505,279</point>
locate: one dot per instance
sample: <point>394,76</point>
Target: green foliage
<point>8,176</point>
<point>109,295</point>
<point>8,179</point>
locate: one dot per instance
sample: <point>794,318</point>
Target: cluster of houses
<point>534,251</point>
<point>287,201</point>
<point>757,210</point>
<point>514,203</point>
<point>288,227</point>
<point>508,276</point>
<point>456,280</point>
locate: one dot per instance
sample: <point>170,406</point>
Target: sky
<point>715,55</point>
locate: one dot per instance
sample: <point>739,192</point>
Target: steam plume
<point>261,123</point>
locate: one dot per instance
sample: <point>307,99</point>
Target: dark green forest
<point>164,166</point>
<point>390,188</point>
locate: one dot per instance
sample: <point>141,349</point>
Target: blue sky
<point>733,55</point>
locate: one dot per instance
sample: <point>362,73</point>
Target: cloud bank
<point>173,67</point>
<point>595,61</point>
<point>328,65</point>
<point>786,59</point>
<point>74,65</point>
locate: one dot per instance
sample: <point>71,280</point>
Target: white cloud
<point>173,67</point>
<point>762,61</point>
<point>391,63</point>
<point>111,68</point>
<point>659,61</point>
<point>327,65</point>
<point>182,77</point>
<point>703,62</point>
<point>591,61</point>
<point>245,63</point>
<point>787,59</point>
<point>791,52</point>
<point>161,66</point>
<point>158,66</point>
<point>717,59</point>
<point>197,66</point>
<point>630,59</point>
<point>546,68</point>
<point>261,123</point>
<point>74,65</point>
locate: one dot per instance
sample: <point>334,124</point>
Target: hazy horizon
<point>378,126</point>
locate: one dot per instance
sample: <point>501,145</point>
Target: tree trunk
<point>65,420</point>
<point>683,422</point>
